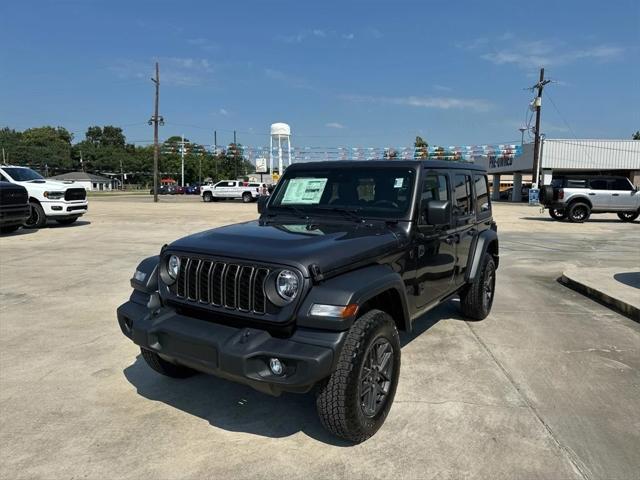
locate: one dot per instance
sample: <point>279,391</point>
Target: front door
<point>464,219</point>
<point>435,247</point>
<point>599,193</point>
<point>623,195</point>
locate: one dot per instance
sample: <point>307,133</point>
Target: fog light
<point>276,366</point>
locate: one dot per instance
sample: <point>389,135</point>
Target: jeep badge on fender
<point>343,256</point>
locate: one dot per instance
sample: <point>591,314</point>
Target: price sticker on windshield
<point>398,183</point>
<point>304,191</point>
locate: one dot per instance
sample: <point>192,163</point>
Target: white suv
<point>48,199</point>
<point>230,189</point>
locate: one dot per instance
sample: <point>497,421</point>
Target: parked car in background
<point>231,189</point>
<point>165,190</point>
<point>179,190</point>
<point>507,194</point>
<point>14,206</point>
<point>193,189</point>
<point>576,197</point>
<point>48,199</point>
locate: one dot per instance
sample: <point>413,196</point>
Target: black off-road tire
<point>37,218</point>
<point>338,399</point>
<point>477,298</point>
<point>165,368</point>
<point>246,197</point>
<point>10,229</point>
<point>66,221</point>
<point>579,212</point>
<point>557,214</point>
<point>628,216</point>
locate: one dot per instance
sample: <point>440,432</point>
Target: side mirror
<point>438,212</point>
<point>262,203</point>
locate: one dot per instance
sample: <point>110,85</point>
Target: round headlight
<point>173,266</point>
<point>287,285</point>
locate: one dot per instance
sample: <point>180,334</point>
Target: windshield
<point>22,174</point>
<point>369,192</point>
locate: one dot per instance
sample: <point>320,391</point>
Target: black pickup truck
<point>313,293</point>
<point>14,206</point>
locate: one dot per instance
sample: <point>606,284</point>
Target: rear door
<point>464,219</point>
<point>623,196</point>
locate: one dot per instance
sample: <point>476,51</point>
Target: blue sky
<point>356,73</point>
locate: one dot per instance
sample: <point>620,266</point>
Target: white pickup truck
<point>230,189</point>
<point>48,199</point>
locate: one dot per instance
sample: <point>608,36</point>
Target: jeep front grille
<point>229,285</point>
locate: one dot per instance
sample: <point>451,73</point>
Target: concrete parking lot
<point>548,386</point>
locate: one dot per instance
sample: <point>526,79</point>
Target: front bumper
<point>64,208</point>
<point>238,354</point>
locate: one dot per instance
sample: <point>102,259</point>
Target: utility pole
<point>182,159</point>
<point>536,145</point>
<point>215,152</point>
<point>235,153</point>
<point>155,120</point>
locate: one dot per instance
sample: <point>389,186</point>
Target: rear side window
<point>576,183</point>
<point>462,193</point>
<point>621,184</point>
<point>599,184</point>
<point>482,193</point>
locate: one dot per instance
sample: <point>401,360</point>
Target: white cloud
<point>533,54</point>
<point>319,33</point>
<point>442,88</point>
<point>286,79</point>
<point>223,111</point>
<point>348,36</point>
<point>442,103</point>
<point>174,71</point>
<point>334,125</point>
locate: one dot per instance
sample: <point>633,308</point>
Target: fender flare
<point>357,286</point>
<point>480,247</point>
<point>147,280</point>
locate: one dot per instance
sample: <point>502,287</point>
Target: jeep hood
<point>330,246</point>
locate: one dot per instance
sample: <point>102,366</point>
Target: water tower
<point>280,139</point>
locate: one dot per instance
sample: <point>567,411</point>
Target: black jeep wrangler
<point>314,292</point>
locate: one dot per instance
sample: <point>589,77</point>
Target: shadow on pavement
<point>77,223</point>
<point>19,232</point>
<point>238,408</point>
<point>591,220</point>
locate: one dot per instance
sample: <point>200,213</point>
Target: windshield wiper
<point>347,212</point>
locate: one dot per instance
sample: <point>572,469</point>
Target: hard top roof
<point>444,164</point>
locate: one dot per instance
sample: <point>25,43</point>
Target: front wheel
<point>37,218</point>
<point>354,401</point>
<point>477,298</point>
<point>628,216</point>
<point>207,197</point>
<point>557,214</point>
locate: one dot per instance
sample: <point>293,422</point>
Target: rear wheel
<point>165,368</point>
<point>557,214</point>
<point>66,221</point>
<point>354,401</point>
<point>246,197</point>
<point>477,298</point>
<point>628,216</point>
<point>37,218</point>
<point>579,212</point>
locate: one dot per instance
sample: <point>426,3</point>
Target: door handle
<point>471,232</point>
<point>615,194</point>
<point>592,194</point>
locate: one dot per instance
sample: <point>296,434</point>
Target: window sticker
<point>304,191</point>
<point>398,183</point>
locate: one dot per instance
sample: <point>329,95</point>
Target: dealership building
<point>566,157</point>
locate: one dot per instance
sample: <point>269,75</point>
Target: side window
<point>599,184</point>
<point>621,184</point>
<point>434,187</point>
<point>482,193</point>
<point>462,193</point>
<point>576,183</point>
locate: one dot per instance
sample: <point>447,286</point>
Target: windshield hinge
<point>316,274</point>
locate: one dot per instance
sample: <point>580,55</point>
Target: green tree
<point>636,136</point>
<point>421,148</point>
